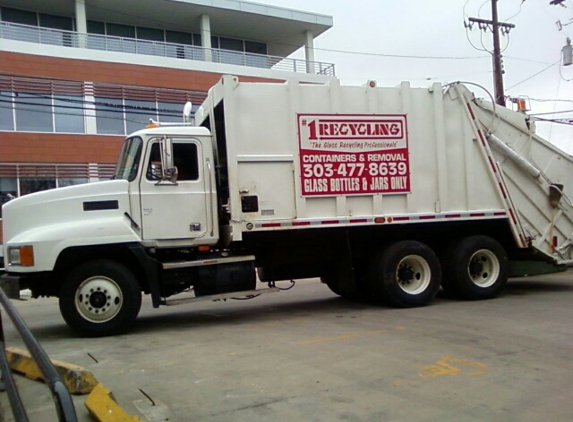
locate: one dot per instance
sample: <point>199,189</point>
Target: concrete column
<point>309,51</point>
<point>205,25</point>
<point>81,23</point>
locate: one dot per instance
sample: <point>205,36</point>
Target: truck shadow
<point>522,287</point>
<point>251,314</point>
<point>326,307</point>
<point>268,310</point>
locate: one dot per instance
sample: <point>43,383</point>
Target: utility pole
<point>495,26</point>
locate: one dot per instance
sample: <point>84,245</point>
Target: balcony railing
<point>40,35</point>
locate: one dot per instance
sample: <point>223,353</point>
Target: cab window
<point>185,157</point>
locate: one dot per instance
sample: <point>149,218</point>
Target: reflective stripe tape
<point>387,219</point>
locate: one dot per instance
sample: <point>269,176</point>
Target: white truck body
<point>452,172</point>
<point>345,183</point>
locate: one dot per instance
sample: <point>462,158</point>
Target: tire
<point>405,274</point>
<point>475,268</point>
<point>100,298</point>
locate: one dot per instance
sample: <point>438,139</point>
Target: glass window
<point>109,116</point>
<point>123,31</point>
<point>69,113</point>
<point>151,34</point>
<point>63,182</point>
<point>255,47</point>
<point>95,27</point>
<point>154,170</point>
<point>36,184</point>
<point>254,59</point>
<point>118,30</point>
<point>178,37</point>
<point>150,41</point>
<point>19,16</point>
<point>186,161</point>
<point>197,40</point>
<point>234,53</point>
<point>170,112</point>
<point>56,22</point>
<point>178,51</point>
<point>184,157</point>
<point>138,113</point>
<point>8,190</point>
<point>95,41</point>
<point>214,42</point>
<point>230,44</point>
<point>6,111</point>
<point>33,112</point>
<point>129,158</point>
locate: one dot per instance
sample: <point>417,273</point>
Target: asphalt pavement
<point>308,355</point>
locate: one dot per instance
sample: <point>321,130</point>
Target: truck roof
<point>174,130</point>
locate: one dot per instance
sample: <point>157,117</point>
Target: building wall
<point>58,148</point>
<point>123,74</point>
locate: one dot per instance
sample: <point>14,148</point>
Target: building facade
<point>76,76</point>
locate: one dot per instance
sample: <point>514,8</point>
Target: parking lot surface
<point>308,355</point>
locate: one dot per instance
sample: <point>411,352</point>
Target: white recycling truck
<point>385,193</point>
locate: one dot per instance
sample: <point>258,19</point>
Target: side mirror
<point>169,169</point>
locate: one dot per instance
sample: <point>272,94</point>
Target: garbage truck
<point>384,193</point>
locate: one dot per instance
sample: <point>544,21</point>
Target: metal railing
<point>60,394</point>
<point>40,35</point>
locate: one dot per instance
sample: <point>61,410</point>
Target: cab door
<point>176,210</point>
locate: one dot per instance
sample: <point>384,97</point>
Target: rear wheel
<point>405,274</point>
<point>475,268</point>
<point>99,298</point>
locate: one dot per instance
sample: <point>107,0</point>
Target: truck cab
<point>98,246</point>
<point>172,193</point>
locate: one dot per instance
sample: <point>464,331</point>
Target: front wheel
<point>405,274</point>
<point>100,298</point>
<point>475,268</point>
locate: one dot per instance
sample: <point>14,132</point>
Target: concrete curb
<point>78,380</point>
<point>103,407</point>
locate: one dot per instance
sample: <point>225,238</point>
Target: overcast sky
<point>436,29</point>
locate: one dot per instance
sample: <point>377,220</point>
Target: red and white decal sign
<point>344,154</point>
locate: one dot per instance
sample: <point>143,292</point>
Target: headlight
<point>21,255</point>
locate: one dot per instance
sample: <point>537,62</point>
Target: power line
<point>568,122</point>
<point>550,112</point>
<point>401,56</point>
<point>534,75</point>
<point>104,107</point>
<point>548,100</point>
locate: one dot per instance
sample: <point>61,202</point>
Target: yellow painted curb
<point>103,407</point>
<point>78,380</point>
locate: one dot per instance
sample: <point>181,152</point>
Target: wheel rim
<point>413,274</point>
<point>98,299</point>
<point>484,268</point>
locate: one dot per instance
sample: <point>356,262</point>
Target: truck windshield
<point>129,158</point>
